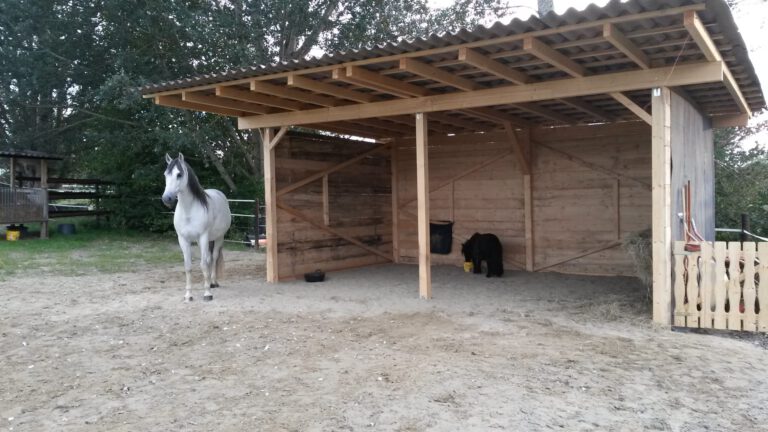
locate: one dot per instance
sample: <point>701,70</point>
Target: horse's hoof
<point>188,299</point>
<point>208,298</point>
<point>214,285</point>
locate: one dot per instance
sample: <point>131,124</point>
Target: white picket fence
<point>720,286</point>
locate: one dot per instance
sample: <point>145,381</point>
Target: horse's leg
<point>186,249</point>
<point>216,256</point>
<point>205,265</point>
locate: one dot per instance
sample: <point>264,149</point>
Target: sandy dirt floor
<point>529,352</point>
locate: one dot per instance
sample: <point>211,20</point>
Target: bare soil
<point>528,352</point>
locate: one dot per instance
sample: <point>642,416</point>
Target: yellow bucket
<point>467,267</point>
<point>12,235</point>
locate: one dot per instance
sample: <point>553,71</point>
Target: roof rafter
<point>685,74</point>
<point>699,33</point>
<point>258,98</point>
<point>289,93</point>
<point>177,102</point>
<point>202,99</point>
<point>623,44</point>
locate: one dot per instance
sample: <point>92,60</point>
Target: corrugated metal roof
<point>717,16</point>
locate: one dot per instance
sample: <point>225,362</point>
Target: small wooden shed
<point>560,134</point>
<point>25,198</point>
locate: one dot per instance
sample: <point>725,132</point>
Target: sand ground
<point>529,352</point>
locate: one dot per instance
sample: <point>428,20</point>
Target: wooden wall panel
<point>574,207</point>
<point>692,159</point>
<point>358,198</point>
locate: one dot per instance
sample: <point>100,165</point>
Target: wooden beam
<point>544,112</point>
<point>326,204</point>
<point>435,74</point>
<point>289,93</point>
<point>535,47</point>
<point>623,44</point>
<point>661,212</point>
<point>270,201</point>
<point>587,108</point>
<point>528,209</point>
<point>632,106</point>
<point>258,98</point>
<point>685,74</point>
<point>177,102</point>
<point>297,214</point>
<point>493,67</point>
<point>364,77</point>
<point>521,154</point>
<point>274,141</point>
<point>581,255</point>
<point>395,204</point>
<point>44,187</point>
<point>454,121</point>
<point>329,170</point>
<point>422,193</point>
<point>700,35</point>
<point>299,81</point>
<point>218,102</point>
<point>496,116</point>
<point>723,121</point>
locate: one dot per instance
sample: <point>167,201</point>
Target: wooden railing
<point>724,285</point>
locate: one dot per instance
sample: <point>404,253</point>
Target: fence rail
<point>21,205</point>
<point>724,285</point>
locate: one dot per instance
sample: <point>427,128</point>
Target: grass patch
<point>89,250</point>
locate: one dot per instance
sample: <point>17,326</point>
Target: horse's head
<point>175,179</point>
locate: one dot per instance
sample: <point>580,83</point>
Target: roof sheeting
<point>639,44</point>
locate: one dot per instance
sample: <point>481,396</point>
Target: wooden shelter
<point>538,131</point>
<point>23,201</point>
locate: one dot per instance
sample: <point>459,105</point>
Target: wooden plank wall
<point>358,205</point>
<point>577,172</point>
<point>692,159</point>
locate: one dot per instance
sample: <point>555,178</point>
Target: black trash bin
<point>440,237</point>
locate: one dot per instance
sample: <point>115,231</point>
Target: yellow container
<point>467,267</point>
<point>12,235</point>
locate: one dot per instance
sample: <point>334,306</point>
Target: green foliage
<point>741,179</point>
<point>70,70</point>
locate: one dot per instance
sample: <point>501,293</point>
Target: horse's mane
<point>192,182</point>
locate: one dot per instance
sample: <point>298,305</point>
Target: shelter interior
<point>558,134</point>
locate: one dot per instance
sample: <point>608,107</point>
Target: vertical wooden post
<point>422,194</point>
<point>395,205</point>
<point>44,187</point>
<point>13,173</point>
<point>326,211</point>
<point>661,172</point>
<point>617,206</point>
<point>270,197</point>
<point>528,198</point>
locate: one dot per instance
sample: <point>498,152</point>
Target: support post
<point>422,194</point>
<point>744,227</point>
<point>326,204</point>
<point>395,205</point>
<point>13,173</point>
<point>270,197</point>
<point>661,172</point>
<point>44,187</point>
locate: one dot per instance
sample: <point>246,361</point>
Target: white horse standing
<point>202,217</point>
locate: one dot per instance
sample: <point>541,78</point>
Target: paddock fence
<point>721,285</point>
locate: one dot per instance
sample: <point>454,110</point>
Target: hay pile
<point>638,246</point>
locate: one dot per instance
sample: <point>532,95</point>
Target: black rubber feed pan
<point>315,276</point>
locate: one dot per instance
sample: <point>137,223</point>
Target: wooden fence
<point>720,286</point>
<point>21,205</point>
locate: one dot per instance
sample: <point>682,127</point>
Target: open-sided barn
<point>559,134</point>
